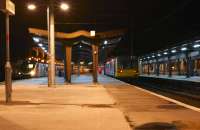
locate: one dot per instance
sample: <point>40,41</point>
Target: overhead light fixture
<point>148,57</point>
<point>183,49</point>
<point>173,51</point>
<point>105,42</point>
<point>31,6</point>
<point>159,55</point>
<point>40,45</point>
<point>197,41</point>
<point>196,46</point>
<point>153,56</point>
<point>36,39</point>
<point>64,6</point>
<point>165,53</point>
<point>80,46</point>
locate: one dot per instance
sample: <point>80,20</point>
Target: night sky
<point>151,24</point>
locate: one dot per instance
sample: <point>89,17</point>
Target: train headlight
<point>30,66</point>
<point>32,73</point>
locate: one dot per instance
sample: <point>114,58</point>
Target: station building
<point>181,60</point>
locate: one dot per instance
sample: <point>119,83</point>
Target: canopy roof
<point>77,34</point>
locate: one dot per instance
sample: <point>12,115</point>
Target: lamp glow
<point>40,45</point>
<point>105,42</point>
<point>165,53</point>
<point>92,33</point>
<point>31,7</point>
<point>32,73</point>
<point>35,39</point>
<point>159,55</point>
<point>183,49</point>
<point>173,51</point>
<point>196,46</point>
<point>64,6</point>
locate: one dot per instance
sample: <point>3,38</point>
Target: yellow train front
<point>121,67</point>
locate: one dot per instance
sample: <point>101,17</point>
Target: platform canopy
<point>77,34</point>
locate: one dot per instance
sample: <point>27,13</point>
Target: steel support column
<point>179,66</point>
<point>8,68</point>
<point>148,68</point>
<point>68,51</point>
<point>188,66</point>
<point>157,67</point>
<point>169,67</point>
<point>51,41</point>
<point>95,62</point>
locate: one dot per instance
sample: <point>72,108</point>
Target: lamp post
<point>8,7</point>
<point>51,38</point>
<point>8,68</point>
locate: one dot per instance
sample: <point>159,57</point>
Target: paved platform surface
<point>145,111</point>
<point>84,106</point>
<point>65,107</point>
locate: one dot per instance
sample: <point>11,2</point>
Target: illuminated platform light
<point>165,53</point>
<point>92,33</point>
<point>30,66</point>
<point>35,39</point>
<point>32,73</point>
<point>31,6</point>
<point>64,6</point>
<point>40,45</point>
<point>159,55</point>
<point>173,51</point>
<point>43,48</point>
<point>196,46</point>
<point>183,49</point>
<point>105,42</point>
<point>153,56</point>
<point>80,46</point>
<point>197,41</point>
<point>148,57</point>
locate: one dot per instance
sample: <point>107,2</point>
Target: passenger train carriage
<point>182,60</point>
<point>121,67</point>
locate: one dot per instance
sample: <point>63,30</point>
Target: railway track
<point>190,97</point>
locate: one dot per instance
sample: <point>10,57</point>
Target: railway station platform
<point>175,77</point>
<point>109,105</point>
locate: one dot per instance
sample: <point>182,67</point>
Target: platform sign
<point>7,6</point>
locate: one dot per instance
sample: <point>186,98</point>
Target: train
<point>33,69</point>
<point>121,67</point>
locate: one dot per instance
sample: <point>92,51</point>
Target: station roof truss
<point>189,45</point>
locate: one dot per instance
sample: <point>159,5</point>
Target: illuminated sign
<point>7,6</point>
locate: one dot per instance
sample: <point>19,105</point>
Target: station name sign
<point>7,6</point>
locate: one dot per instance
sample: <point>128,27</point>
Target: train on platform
<point>33,69</point>
<point>180,60</point>
<point>122,67</point>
